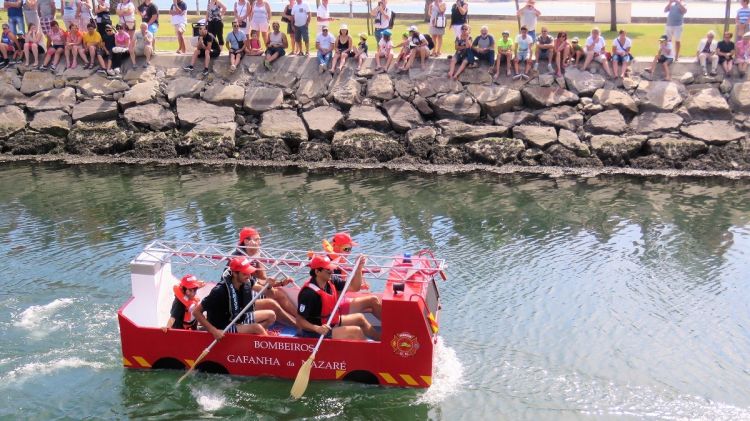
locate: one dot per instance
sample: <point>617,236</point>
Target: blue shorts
<point>621,59</point>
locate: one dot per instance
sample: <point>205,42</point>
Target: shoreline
<point>439,169</point>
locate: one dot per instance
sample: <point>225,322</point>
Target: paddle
<point>229,326</point>
<point>303,375</point>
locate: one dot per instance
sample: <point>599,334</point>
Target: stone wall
<point>295,113</point>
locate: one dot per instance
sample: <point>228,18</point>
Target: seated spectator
<point>142,47</point>
<point>8,46</point>
<point>324,44</point>
<point>576,51</point>
<point>253,46</point>
<point>483,48</point>
<point>545,49</point>
<point>418,46</point>
<point>104,52</point>
<point>74,48</point>
<point>227,299</point>
<point>120,51</point>
<point>523,53</point>
<point>403,54</point>
<point>464,54</point>
<point>92,43</point>
<point>504,52</point>
<point>707,51</point>
<point>56,47</point>
<point>277,45</point>
<point>621,53</point>
<point>206,49</point>
<point>385,46</point>
<point>34,45</point>
<point>595,51</point>
<point>562,52</point>
<point>742,51</point>
<point>185,300</point>
<point>361,52</point>
<point>665,57</point>
<point>725,51</point>
<point>343,48</point>
<point>236,45</point>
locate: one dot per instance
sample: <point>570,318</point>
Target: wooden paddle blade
<point>199,359</point>
<point>303,377</point>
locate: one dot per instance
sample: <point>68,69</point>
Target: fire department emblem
<point>404,344</point>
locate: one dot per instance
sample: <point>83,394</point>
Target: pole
<point>518,18</point>
<point>726,17</point>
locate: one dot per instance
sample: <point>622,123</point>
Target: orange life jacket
<point>327,301</point>
<point>187,319</point>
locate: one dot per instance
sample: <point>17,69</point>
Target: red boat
<point>403,356</point>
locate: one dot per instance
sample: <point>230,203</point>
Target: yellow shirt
<point>91,39</point>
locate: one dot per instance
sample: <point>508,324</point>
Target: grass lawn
<point>645,36</point>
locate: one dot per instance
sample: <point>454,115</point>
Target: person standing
<point>529,15</point>
<point>743,16</point>
<point>150,16</point>
<point>47,12</point>
<point>322,16</point>
<point>102,16</point>
<point>459,16</point>
<point>85,14</point>
<point>215,11</point>
<point>30,12</point>
<point>260,19</point>
<point>286,17</point>
<point>241,15</point>
<point>675,10</point>
<point>707,50</point>
<point>126,12</point>
<point>437,25</point>
<point>15,16</point>
<point>178,11</point>
<point>382,21</point>
<point>301,22</point>
<point>69,11</point>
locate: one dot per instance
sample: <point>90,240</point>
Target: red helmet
<point>190,281</point>
<point>321,262</point>
<point>247,232</point>
<point>343,239</point>
<point>242,265</point>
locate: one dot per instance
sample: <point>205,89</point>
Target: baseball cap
<point>343,239</point>
<point>321,262</point>
<point>663,38</point>
<point>574,40</point>
<point>190,281</point>
<point>387,33</point>
<point>242,265</point>
<point>247,232</point>
<point>413,28</point>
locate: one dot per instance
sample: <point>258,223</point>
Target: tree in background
<point>427,10</point>
<point>613,15</point>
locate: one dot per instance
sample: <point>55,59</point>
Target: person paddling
<point>185,300</point>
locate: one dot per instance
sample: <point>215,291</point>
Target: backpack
<point>430,42</point>
<point>393,19</point>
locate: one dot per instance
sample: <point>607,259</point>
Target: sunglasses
<point>347,249</point>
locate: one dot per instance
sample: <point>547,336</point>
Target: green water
<point>570,298</point>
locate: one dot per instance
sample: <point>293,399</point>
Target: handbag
<point>440,20</point>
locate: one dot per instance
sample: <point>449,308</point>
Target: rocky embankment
<point>293,113</point>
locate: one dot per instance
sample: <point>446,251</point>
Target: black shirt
<point>109,42</point>
<point>310,306</point>
<point>178,313</point>
<point>148,11</point>
<point>456,17</point>
<point>209,39</point>
<point>216,304</point>
<point>725,46</point>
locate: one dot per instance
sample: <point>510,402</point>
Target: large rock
<point>136,75</point>
<point>365,144</point>
<point>279,79</point>
<point>184,87</point>
<point>310,89</point>
<point>12,121</point>
<point>34,82</point>
<point>495,99</point>
<point>229,95</point>
<point>402,114</point>
<point>560,156</point>
<point>478,75</point>
<point>323,121</point>
<point>266,149</point>
<point>346,92</point>
<point>10,95</point>
<point>543,97</point>
<point>101,137</point>
<point>583,83</point>
<point>564,117</point>
<point>283,124</point>
<point>140,94</point>
<point>55,99</point>
<point>404,88</point>
<point>440,85</point>
<point>214,141</point>
<point>369,116</point>
<point>536,136</point>
<point>380,87</point>
<point>454,131</point>
<point>456,106</point>
<point>650,122</point>
<point>259,99</point>
<point>663,96</point>
<point>54,122</point>
<point>495,150</point>
<point>151,116</point>
<point>715,132</point>
<point>708,104</point>
<point>675,148</point>
<point>615,99</point>
<point>314,151</point>
<point>193,112</point>
<point>95,109</point>
<point>154,145</point>
<point>571,141</point>
<point>11,78</point>
<point>97,85</point>
<point>30,143</point>
<point>616,149</point>
<point>740,97</point>
<point>610,121</point>
<point>515,118</point>
<point>420,141</point>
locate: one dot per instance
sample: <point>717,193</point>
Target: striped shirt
<point>743,15</point>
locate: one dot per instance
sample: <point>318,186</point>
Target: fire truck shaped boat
<point>403,357</point>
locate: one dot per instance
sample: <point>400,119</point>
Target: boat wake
<point>39,319</point>
<point>34,369</point>
<point>209,400</point>
<point>447,376</point>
